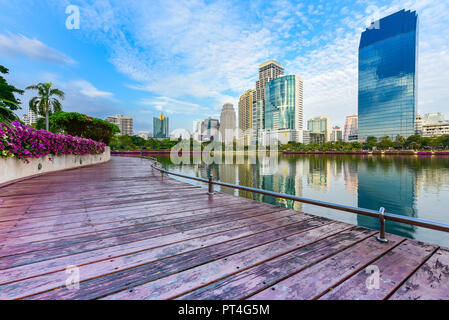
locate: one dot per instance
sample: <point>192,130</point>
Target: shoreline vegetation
<point>362,153</point>
<point>413,145</point>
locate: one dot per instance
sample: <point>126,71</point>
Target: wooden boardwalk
<point>134,236</point>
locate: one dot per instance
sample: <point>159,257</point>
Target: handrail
<point>381,214</point>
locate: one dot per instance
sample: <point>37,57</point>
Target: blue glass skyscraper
<point>387,76</point>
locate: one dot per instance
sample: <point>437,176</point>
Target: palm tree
<point>45,100</point>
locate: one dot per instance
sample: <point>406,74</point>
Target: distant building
<point>336,134</point>
<point>197,127</point>
<point>418,123</point>
<point>227,123</point>
<point>160,127</point>
<point>124,123</point>
<point>267,71</point>
<point>210,129</point>
<point>434,125</point>
<point>387,77</point>
<point>351,128</point>
<point>317,137</point>
<point>306,137</point>
<point>25,119</point>
<point>247,108</point>
<point>144,134</point>
<point>320,125</point>
<point>284,109</point>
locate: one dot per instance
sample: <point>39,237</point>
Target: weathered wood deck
<point>134,236</point>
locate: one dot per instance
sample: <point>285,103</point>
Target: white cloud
<point>195,50</point>
<point>170,105</point>
<point>87,89</point>
<point>18,45</point>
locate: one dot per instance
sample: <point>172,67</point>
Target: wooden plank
<point>235,229</point>
<point>114,282</point>
<point>41,225</point>
<point>55,233</point>
<point>429,282</point>
<point>314,281</point>
<point>14,256</point>
<point>107,266</point>
<point>394,267</point>
<point>242,284</point>
<point>186,281</point>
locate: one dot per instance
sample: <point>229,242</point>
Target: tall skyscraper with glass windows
<point>284,108</point>
<point>387,77</point>
<point>160,127</point>
<point>268,71</point>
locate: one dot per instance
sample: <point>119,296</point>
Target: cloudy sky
<point>187,58</point>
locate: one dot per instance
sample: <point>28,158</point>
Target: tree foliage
<point>81,125</point>
<point>46,101</point>
<point>8,100</point>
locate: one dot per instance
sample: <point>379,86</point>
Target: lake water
<point>414,186</point>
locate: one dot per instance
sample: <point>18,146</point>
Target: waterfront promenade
<point>129,234</point>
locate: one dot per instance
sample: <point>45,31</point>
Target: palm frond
<point>56,105</point>
<point>57,92</point>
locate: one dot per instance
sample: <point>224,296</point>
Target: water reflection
<point>406,185</point>
<point>386,182</point>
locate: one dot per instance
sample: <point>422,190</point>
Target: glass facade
<point>280,103</point>
<point>387,77</point>
<point>160,127</point>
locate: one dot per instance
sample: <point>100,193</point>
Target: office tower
<point>247,103</point>
<point>284,109</point>
<point>227,123</point>
<point>351,128</point>
<point>267,71</point>
<point>336,134</point>
<point>124,123</point>
<point>320,125</point>
<point>210,129</point>
<point>161,127</point>
<point>387,77</point>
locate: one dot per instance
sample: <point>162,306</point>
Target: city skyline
<point>326,59</point>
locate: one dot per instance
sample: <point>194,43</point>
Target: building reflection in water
<point>400,184</point>
<point>386,182</point>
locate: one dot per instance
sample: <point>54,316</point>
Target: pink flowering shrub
<point>20,141</point>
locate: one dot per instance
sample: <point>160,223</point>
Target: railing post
<point>211,186</point>
<point>381,236</point>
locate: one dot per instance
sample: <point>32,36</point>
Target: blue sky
<point>187,58</point>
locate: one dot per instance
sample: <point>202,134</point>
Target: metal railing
<point>381,214</point>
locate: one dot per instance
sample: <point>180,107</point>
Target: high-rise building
<point>336,134</point>
<point>30,117</point>
<point>387,77</point>
<point>351,128</point>
<point>161,127</point>
<point>267,71</point>
<point>320,125</point>
<point>247,103</point>
<point>124,123</point>
<point>197,126</point>
<point>210,129</point>
<point>227,123</point>
<point>284,109</point>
